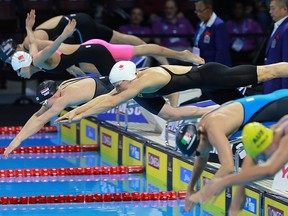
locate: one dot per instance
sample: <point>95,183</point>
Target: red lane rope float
<point>98,197</point>
<point>52,149</point>
<point>17,129</point>
<point>83,178</point>
<point>96,170</point>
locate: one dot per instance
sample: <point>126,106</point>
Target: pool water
<point>77,184</point>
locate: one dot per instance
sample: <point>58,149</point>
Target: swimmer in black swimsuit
<point>55,99</point>
<point>86,29</point>
<point>55,57</point>
<point>158,81</point>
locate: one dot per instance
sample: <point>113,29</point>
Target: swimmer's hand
<point>30,19</point>
<point>212,190</point>
<point>69,29</point>
<point>208,193</point>
<point>13,145</point>
<point>191,200</point>
<point>188,203</point>
<point>280,129</point>
<point>70,117</point>
<point>191,57</point>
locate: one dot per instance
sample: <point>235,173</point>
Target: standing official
<point>277,46</point>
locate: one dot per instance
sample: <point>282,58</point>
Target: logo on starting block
<point>106,140</point>
<point>185,175</point>
<point>134,151</point>
<point>90,132</point>
<point>153,160</point>
<point>250,204</point>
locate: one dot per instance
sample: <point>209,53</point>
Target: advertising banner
<point>109,140</point>
<point>132,153</point>
<point>181,174</point>
<point>156,166</point>
<point>88,132</point>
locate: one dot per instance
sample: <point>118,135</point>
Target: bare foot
<point>191,57</point>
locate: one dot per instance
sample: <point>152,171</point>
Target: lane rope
<point>17,129</point>
<point>96,170</point>
<point>52,149</point>
<point>98,197</point>
<point>83,178</point>
<point>102,206</point>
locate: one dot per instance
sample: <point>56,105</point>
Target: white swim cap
<point>21,59</point>
<point>122,70</point>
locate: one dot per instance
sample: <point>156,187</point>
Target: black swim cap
<point>7,48</point>
<point>187,138</point>
<point>45,90</point>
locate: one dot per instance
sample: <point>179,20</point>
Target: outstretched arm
<point>170,113</point>
<point>261,171</point>
<point>213,136</point>
<point>217,185</point>
<point>40,58</point>
<point>199,165</point>
<point>156,50</point>
<point>32,42</point>
<point>96,106</point>
<point>33,125</point>
<point>105,102</point>
<point>100,104</point>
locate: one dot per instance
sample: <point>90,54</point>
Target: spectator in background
<point>243,48</point>
<point>277,46</point>
<point>155,8</point>
<point>211,40</point>
<point>262,14</point>
<point>135,25</point>
<point>170,23</point>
